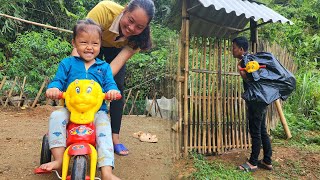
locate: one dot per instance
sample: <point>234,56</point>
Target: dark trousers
<point>256,113</point>
<point>116,107</point>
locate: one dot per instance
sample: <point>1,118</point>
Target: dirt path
<point>20,138</point>
<point>21,132</point>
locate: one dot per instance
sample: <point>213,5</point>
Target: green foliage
<point>215,170</point>
<point>61,14</point>
<point>302,38</point>
<point>139,106</point>
<point>36,55</point>
<point>146,70</point>
<point>143,72</point>
<point>302,109</point>
<point>163,8</point>
<point>2,60</point>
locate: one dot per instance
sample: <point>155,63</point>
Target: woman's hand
<point>113,94</point>
<point>53,93</point>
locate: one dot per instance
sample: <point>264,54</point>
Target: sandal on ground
<point>263,165</point>
<point>147,137</point>
<point>118,148</point>
<point>247,168</point>
<point>137,134</point>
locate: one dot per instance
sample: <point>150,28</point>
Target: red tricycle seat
<point>81,133</point>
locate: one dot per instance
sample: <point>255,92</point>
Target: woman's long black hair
<point>142,40</point>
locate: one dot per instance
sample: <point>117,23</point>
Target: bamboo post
<point>11,90</point>
<point>129,94</point>
<point>39,92</point>
<point>232,96</point>
<point>225,97</point>
<point>22,90</point>
<point>182,63</point>
<point>178,80</point>
<point>186,74</point>
<point>133,103</point>
<point>1,85</point>
<point>153,99</point>
<point>34,23</point>
<point>3,81</point>
<point>283,119</point>
<point>157,108</point>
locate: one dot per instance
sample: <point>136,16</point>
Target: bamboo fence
<point>216,114</point>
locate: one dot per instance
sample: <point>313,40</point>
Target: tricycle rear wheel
<point>45,150</point>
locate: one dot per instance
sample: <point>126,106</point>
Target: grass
<point>215,170</point>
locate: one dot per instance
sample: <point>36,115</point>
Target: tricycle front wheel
<point>79,168</point>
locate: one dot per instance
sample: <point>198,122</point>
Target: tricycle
<point>83,99</point>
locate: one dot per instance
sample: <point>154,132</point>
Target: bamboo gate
<point>212,114</point>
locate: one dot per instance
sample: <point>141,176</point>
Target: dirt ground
<point>21,132</point>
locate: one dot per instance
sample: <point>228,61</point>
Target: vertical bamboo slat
<point>200,123</point>
<point>218,103</point>
<point>210,88</point>
<point>196,89</point>
<point>191,101</point>
<point>204,102</point>
<point>240,116</point>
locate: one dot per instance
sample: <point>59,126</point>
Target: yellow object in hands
<point>252,66</point>
<point>83,99</point>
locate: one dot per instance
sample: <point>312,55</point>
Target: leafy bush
<point>305,102</point>
<point>145,71</point>
<point>35,55</point>
<point>302,109</point>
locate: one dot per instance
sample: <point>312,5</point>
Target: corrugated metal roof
<point>224,18</point>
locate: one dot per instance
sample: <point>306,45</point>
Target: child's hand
<point>53,93</point>
<point>112,94</point>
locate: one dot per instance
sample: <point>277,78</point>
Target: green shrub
<point>145,71</point>
<point>35,55</point>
